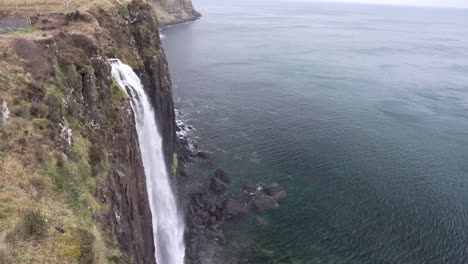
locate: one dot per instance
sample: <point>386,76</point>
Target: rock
<point>210,165</point>
<point>60,229</point>
<point>217,186</point>
<point>265,204</point>
<point>233,208</point>
<point>250,188</point>
<point>275,190</point>
<point>222,175</point>
<point>120,173</point>
<point>183,173</point>
<point>212,219</point>
<point>218,225</point>
<point>202,155</point>
<point>260,221</point>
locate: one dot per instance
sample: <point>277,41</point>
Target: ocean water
<point>360,111</point>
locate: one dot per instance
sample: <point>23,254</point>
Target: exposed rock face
<point>174,11</point>
<point>79,121</point>
<point>130,33</point>
<point>154,71</point>
<point>125,187</point>
<point>218,186</point>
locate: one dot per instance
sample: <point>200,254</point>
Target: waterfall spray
<point>168,225</point>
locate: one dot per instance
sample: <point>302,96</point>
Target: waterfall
<point>168,225</point>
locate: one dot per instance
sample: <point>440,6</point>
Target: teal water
<point>360,111</point>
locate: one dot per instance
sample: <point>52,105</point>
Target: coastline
<point>163,26</point>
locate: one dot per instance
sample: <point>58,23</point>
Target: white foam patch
<point>5,113</point>
<point>66,132</point>
<point>184,130</point>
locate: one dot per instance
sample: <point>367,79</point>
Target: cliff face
<point>174,11</point>
<point>70,155</point>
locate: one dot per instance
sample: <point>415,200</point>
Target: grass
<point>44,182</point>
<point>40,186</point>
<point>175,163</point>
<point>23,31</point>
<point>29,7</point>
<point>32,225</point>
<point>117,93</point>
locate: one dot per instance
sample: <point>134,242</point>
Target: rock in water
<point>265,204</point>
<point>233,208</point>
<point>218,186</point>
<point>250,188</point>
<point>260,221</point>
<point>202,155</point>
<point>222,175</point>
<point>275,191</point>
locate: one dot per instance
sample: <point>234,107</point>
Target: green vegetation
<point>50,211</point>
<point>175,163</point>
<point>23,31</point>
<point>32,225</point>
<point>117,93</point>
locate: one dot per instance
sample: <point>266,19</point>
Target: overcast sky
<point>440,3</point>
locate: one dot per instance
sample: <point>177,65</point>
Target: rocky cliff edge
<point>72,184</point>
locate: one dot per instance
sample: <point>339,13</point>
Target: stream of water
<point>168,225</point>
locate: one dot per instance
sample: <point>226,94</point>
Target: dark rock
<point>213,220</point>
<point>183,173</point>
<point>265,204</point>
<point>60,229</point>
<point>233,208</point>
<point>202,155</point>
<point>275,190</point>
<point>219,224</point>
<point>222,175</point>
<point>211,165</point>
<point>250,188</point>
<point>218,186</point>
<point>22,142</point>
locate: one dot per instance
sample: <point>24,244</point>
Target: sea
<point>359,111</point>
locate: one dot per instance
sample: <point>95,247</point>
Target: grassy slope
<point>48,208</point>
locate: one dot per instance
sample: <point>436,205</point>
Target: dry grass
<point>23,8</point>
<point>35,175</point>
<point>28,152</point>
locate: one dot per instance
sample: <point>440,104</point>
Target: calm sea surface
<point>360,111</point>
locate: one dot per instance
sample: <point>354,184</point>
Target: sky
<point>438,3</point>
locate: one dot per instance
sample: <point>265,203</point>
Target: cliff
<point>72,184</point>
<point>174,11</point>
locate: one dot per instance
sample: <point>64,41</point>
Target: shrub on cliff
<point>32,225</point>
<point>36,62</point>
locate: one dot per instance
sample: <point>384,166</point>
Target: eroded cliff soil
<point>174,11</point>
<point>72,184</point>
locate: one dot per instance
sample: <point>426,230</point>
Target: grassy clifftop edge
<point>64,126</point>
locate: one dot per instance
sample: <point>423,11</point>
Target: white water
<point>5,113</point>
<point>168,225</point>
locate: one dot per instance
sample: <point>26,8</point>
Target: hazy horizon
<point>429,3</point>
<point>422,3</point>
